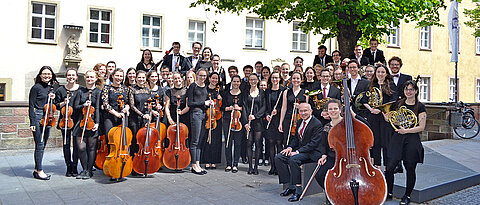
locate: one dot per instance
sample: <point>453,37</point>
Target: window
<point>100,32</point>
<point>424,86</point>
<point>425,38</point>
<point>196,32</point>
<point>299,39</point>
<point>2,91</point>
<point>43,25</point>
<point>477,45</point>
<point>254,33</point>
<point>394,36</point>
<point>477,94</point>
<point>451,89</point>
<point>151,31</point>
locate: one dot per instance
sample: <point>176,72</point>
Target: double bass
<point>162,131</point>
<point>48,118</point>
<point>146,159</point>
<point>118,163</point>
<point>177,155</point>
<point>353,179</point>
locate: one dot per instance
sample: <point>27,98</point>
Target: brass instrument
<point>338,84</point>
<point>319,103</point>
<point>403,117</point>
<point>375,99</point>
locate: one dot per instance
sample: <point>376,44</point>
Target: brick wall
<point>15,128</point>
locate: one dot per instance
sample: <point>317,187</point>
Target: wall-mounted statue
<point>73,52</point>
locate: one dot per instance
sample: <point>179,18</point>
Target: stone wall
<point>15,127</point>
<point>437,126</point>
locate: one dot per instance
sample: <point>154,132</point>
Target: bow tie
<point>396,75</point>
<point>176,55</point>
<point>193,57</point>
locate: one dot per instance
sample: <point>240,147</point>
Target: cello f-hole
<point>366,167</point>
<point>340,167</point>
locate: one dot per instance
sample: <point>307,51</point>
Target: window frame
<point>31,15</point>
<point>300,32</point>
<point>189,46</point>
<point>429,88</point>
<point>398,36</point>
<point>477,89</point>
<point>151,15</point>
<point>255,19</point>
<point>450,86</point>
<point>96,44</point>
<point>477,46</point>
<point>429,48</point>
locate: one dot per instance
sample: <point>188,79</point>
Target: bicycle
<point>469,125</point>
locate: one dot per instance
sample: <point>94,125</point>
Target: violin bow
<point>275,107</point>
<point>251,112</point>
<point>291,122</point>
<point>86,116</point>
<point>46,113</point>
<point>66,118</point>
<point>310,181</point>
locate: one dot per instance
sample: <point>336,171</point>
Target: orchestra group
<point>181,112</point>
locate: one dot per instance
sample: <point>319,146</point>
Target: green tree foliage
<point>348,20</point>
<point>474,15</point>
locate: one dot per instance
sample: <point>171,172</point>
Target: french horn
<point>403,117</point>
<point>319,103</point>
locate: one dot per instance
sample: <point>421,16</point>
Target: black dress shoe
<point>287,192</point>
<point>405,200</point>
<point>213,167</point>
<point>244,160</point>
<point>398,169</point>
<point>204,171</point>
<point>74,171</point>
<point>37,176</point>
<point>69,172</point>
<point>199,173</point>
<point>234,170</point>
<point>266,163</point>
<point>81,175</point>
<point>389,196</point>
<point>250,171</point>
<point>228,168</point>
<point>255,171</point>
<point>295,197</point>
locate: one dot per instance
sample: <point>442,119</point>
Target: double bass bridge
<point>349,166</point>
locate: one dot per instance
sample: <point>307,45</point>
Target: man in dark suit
<point>305,147</point>
<point>358,55</point>
<point>374,54</point>
<point>175,60</point>
<point>357,84</point>
<point>322,58</point>
<point>395,64</point>
<point>328,91</point>
<point>191,62</point>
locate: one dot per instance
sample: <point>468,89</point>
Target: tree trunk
<point>347,39</point>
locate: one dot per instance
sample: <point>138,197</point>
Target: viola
<point>118,163</point>
<point>146,160</point>
<point>353,179</point>
<point>177,155</point>
<point>162,131</point>
<point>87,122</point>
<point>48,118</point>
<point>293,122</point>
<point>66,122</point>
<point>102,152</point>
<point>211,122</point>
<point>235,124</point>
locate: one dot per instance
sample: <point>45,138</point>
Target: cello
<point>146,160</point>
<point>66,122</point>
<point>353,179</point>
<point>118,163</point>
<point>102,152</point>
<point>48,118</point>
<point>162,131</point>
<point>177,155</point>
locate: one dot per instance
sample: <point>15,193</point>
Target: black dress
<point>212,153</point>
<point>110,96</point>
<point>142,66</point>
<point>138,96</point>
<point>291,99</point>
<point>272,96</point>
<point>172,94</point>
<point>258,110</point>
<point>80,99</point>
<point>311,86</point>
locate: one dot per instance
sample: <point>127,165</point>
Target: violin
<point>177,155</point>
<point>102,152</point>
<point>146,160</point>
<point>48,118</point>
<point>235,124</point>
<point>353,179</point>
<point>67,110</point>
<point>211,122</point>
<point>118,163</point>
<point>87,121</point>
<point>293,122</point>
<point>162,131</point>
<point>218,104</point>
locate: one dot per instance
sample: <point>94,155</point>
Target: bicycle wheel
<point>469,129</point>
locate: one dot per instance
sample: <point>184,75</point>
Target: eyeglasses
<point>325,76</point>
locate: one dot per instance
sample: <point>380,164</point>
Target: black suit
<point>363,60</point>
<point>187,64</point>
<point>379,57</point>
<point>399,87</point>
<point>168,62</point>
<point>310,147</point>
<point>328,59</point>
<point>362,86</point>
<point>334,93</point>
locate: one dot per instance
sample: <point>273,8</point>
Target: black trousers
<point>288,168</point>
<point>322,172</point>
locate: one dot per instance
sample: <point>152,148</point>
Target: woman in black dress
<point>130,79</point>
<point>155,89</point>
<point>87,144</point>
<point>235,138</point>
<point>198,102</point>
<point>146,63</point>
<point>222,79</point>
<point>171,101</point>
<point>310,83</point>
<point>255,115</point>
<point>405,144</point>
<point>382,131</point>
<point>37,98</point>
<point>212,152</point>
<point>290,100</point>
<point>138,97</point>
<point>61,98</point>
<point>206,62</point>
<point>274,94</point>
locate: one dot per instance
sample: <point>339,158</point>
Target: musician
<point>290,100</point>
<point>275,138</point>
<point>356,84</point>
<point>382,131</point>
<point>369,72</point>
<point>191,62</point>
<point>245,86</point>
<point>146,63</point>
<point>328,91</point>
<point>232,71</point>
<point>285,68</point>
<point>218,69</point>
<point>206,61</point>
<point>374,54</point>
<point>304,147</point>
<point>395,64</point>
<point>265,73</point>
<point>198,102</point>
<point>212,152</point>
<point>171,101</point>
<point>164,76</point>
<point>190,77</point>
<point>155,89</point>
<point>258,68</point>
<point>87,148</point>
<point>130,79</point>
<point>235,138</point>
<point>358,55</point>
<point>322,58</point>
<point>175,60</point>
<point>318,69</point>
<point>61,97</point>
<point>337,57</point>
<point>102,70</point>
<point>111,66</point>
<point>405,144</point>
<point>310,83</point>
<point>37,99</point>
<point>110,93</point>
<point>298,61</point>
<point>254,116</point>
<point>337,74</point>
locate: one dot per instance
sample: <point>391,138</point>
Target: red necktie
<point>303,128</point>
<point>324,92</point>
